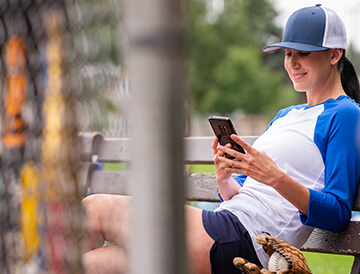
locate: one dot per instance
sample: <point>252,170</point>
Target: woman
<point>296,175</point>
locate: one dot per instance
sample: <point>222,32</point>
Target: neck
<point>330,90</point>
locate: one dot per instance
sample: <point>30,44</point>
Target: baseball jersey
<point>316,146</point>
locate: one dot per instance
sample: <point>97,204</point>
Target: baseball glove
<point>296,261</point>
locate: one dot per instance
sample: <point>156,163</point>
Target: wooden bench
<point>199,186</point>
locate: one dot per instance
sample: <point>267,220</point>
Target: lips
<point>297,76</point>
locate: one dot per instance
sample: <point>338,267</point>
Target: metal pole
<point>155,59</point>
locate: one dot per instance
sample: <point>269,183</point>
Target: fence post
<point>155,61</point>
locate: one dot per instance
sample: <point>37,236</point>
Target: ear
<point>336,55</point>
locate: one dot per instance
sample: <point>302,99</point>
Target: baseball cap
<point>313,28</point>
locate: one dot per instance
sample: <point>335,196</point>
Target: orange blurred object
<point>15,93</point>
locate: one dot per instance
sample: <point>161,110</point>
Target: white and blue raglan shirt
<point>316,146</point>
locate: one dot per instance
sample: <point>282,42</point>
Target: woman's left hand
<point>255,164</point>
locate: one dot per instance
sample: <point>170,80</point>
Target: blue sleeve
<point>336,137</point>
<point>240,179</point>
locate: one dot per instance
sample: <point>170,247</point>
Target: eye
<point>303,54</point>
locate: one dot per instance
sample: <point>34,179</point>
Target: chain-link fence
<point>59,73</point>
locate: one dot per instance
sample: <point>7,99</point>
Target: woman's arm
<point>337,141</point>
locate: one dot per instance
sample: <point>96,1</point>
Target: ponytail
<point>349,78</point>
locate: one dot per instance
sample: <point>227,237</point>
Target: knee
<point>103,208</point>
<point>93,207</point>
<point>91,204</point>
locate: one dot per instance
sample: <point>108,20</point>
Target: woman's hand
<point>255,164</point>
<point>222,175</point>
<point>228,187</point>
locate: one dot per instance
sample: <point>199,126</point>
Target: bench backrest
<point>199,186</point>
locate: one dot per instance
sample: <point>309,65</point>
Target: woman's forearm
<point>297,194</point>
<point>228,188</point>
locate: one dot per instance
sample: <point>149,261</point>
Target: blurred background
<point>63,71</point>
<point>227,73</point>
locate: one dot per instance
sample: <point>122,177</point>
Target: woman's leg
<point>198,242</point>
<point>112,259</point>
<point>108,217</point>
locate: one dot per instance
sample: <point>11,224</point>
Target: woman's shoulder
<point>344,108</point>
<point>284,111</point>
<point>340,115</point>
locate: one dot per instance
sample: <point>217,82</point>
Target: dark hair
<point>349,78</point>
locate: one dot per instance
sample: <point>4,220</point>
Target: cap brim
<point>293,45</point>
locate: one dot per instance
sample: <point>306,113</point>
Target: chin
<point>299,89</point>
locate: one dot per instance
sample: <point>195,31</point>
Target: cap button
<point>318,5</point>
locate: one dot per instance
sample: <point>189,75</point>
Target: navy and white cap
<point>312,29</point>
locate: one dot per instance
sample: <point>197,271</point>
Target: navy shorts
<point>231,240</point>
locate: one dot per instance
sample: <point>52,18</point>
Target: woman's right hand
<point>222,176</point>
<point>228,187</point>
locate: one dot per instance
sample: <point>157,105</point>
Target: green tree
<point>226,67</point>
<point>243,82</point>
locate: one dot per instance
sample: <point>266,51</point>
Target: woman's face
<point>308,71</point>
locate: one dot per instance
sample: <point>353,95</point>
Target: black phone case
<point>223,128</point>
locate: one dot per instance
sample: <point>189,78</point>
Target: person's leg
<point>108,217</point>
<point>199,242</point>
<point>110,259</point>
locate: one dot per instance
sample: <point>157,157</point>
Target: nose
<point>292,61</point>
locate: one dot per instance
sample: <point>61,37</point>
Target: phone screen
<point>223,128</point>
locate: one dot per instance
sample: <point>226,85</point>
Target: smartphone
<point>223,128</point>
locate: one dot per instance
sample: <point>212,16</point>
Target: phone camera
<point>224,130</point>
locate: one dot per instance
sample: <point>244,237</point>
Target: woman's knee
<point>108,215</point>
<point>93,206</point>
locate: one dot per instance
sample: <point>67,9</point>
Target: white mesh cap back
<point>335,33</point>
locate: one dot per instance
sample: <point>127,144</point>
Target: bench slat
<point>115,150</point>
<point>199,186</point>
<point>110,182</point>
<point>197,149</point>
<point>346,242</point>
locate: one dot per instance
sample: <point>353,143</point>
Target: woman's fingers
<point>214,144</point>
<point>232,152</point>
<point>216,147</point>
<point>238,155</point>
<point>242,143</point>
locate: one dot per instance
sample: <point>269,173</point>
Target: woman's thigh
<point>198,242</point>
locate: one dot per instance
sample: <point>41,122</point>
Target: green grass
<point>114,166</point>
<point>329,263</point>
<point>202,168</point>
